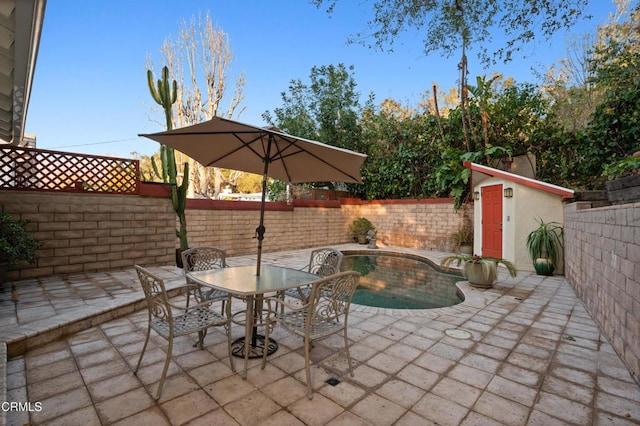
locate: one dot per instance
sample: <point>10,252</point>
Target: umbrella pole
<point>261,229</point>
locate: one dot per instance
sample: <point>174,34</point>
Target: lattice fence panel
<point>41,170</point>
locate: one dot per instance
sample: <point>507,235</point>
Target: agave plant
<point>489,264</point>
<point>545,241</point>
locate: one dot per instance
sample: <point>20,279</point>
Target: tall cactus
<point>165,95</point>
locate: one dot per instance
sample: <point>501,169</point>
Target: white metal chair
<point>323,262</point>
<point>163,320</point>
<point>325,313</point>
<point>204,259</point>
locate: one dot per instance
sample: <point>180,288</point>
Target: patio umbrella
<point>233,145</point>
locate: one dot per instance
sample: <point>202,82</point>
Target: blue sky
<point>90,93</point>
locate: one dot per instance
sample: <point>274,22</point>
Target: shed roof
<point>532,183</point>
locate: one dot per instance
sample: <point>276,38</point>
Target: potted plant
<point>359,228</point>
<point>481,271</point>
<point>544,244</point>
<point>16,243</point>
<point>463,239</point>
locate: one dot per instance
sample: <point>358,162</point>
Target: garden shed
<point>506,209</point>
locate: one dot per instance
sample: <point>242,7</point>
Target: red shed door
<point>492,221</point>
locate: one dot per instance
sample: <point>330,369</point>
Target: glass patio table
<point>242,281</point>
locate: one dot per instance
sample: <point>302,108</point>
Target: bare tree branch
<point>199,60</point>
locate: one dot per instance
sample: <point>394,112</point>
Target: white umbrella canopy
<point>229,144</point>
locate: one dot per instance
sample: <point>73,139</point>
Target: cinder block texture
<point>602,254</point>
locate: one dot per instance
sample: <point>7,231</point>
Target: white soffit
<point>20,30</point>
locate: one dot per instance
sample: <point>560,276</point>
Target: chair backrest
<point>331,297</point>
<point>325,262</point>
<point>155,293</point>
<point>203,259</point>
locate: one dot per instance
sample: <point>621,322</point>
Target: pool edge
<point>473,297</point>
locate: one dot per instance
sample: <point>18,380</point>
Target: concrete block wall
<point>231,230</point>
<point>402,223</point>
<point>426,223</point>
<point>602,255</point>
<point>234,230</point>
<point>90,232</point>
<point>85,232</point>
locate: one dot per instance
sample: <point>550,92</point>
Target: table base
<point>255,351</point>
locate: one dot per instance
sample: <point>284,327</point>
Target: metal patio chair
<point>169,325</point>
<point>204,259</point>
<point>325,313</point>
<point>323,262</point>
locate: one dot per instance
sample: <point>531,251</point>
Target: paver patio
<point>534,356</point>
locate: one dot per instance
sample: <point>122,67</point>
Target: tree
<point>402,148</point>
<point>146,168</point>
<point>578,158</point>
<point>506,114</point>
<point>326,109</point>
<point>199,57</point>
<point>436,101</point>
<point>249,183</point>
<point>482,95</point>
<point>614,130</point>
<point>457,25</point>
<point>448,25</point>
<point>595,99</point>
<point>504,119</point>
<point>568,84</point>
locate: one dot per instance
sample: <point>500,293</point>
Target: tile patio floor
<point>534,357</point>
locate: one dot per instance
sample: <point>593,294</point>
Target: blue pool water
<point>401,282</point>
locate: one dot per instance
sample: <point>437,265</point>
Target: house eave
<point>564,193</point>
<point>20,31</point>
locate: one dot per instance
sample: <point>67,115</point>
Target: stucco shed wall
<point>519,215</point>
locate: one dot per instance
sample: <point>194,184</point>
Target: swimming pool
<point>401,282</point>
